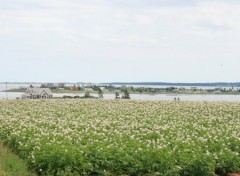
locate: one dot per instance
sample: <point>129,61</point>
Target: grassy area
<point>12,165</point>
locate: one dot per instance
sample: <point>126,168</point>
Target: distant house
<point>52,85</point>
<point>74,88</point>
<point>61,85</point>
<point>37,93</point>
<point>102,88</point>
<point>88,88</point>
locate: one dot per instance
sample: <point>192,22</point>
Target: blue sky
<point>116,40</point>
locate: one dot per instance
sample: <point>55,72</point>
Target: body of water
<point>230,98</point>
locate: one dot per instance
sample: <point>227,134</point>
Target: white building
<point>37,93</point>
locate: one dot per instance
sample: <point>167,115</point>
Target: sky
<point>120,40</point>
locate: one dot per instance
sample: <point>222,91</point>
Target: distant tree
<point>123,88</point>
<point>31,86</point>
<point>43,86</point>
<point>139,89</point>
<point>131,88</point>
<point>110,87</point>
<point>95,88</point>
<point>152,90</point>
<point>210,90</point>
<point>67,88</point>
<point>170,89</point>
<point>100,93</point>
<point>87,95</point>
<point>80,88</point>
<point>182,89</point>
<point>126,95</point>
<point>117,95</point>
<point>54,88</point>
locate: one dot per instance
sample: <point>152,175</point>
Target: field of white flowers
<point>123,137</point>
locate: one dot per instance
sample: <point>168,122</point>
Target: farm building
<point>74,88</point>
<point>37,93</point>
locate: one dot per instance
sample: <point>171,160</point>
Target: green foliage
<point>87,95</point>
<point>125,95</point>
<point>117,95</point>
<point>100,93</point>
<point>201,164</point>
<point>228,162</point>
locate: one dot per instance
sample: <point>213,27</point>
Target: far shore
<point>130,92</point>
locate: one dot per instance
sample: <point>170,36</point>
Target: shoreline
<point>134,93</point>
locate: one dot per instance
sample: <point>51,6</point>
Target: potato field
<point>123,137</point>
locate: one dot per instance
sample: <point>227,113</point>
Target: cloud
<point>159,23</point>
<point>89,16</point>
